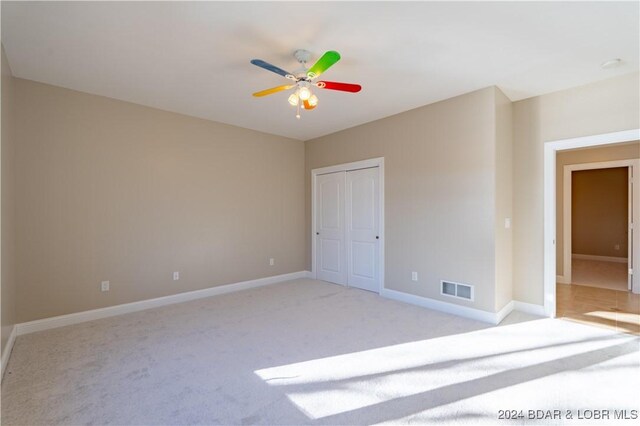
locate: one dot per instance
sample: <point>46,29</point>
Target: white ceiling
<point>193,57</point>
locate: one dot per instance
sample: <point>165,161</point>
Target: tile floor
<point>614,309</point>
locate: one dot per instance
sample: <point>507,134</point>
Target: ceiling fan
<point>303,79</point>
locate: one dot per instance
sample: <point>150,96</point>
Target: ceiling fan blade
<point>324,63</point>
<point>343,87</point>
<point>267,66</point>
<point>273,90</point>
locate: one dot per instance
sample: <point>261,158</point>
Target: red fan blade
<point>344,87</point>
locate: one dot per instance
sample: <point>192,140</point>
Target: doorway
<point>550,150</point>
<point>597,220</point>
<point>607,307</point>
<point>348,224</point>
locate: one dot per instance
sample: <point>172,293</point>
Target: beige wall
<point>504,199</point>
<point>603,107</point>
<point>600,205</point>
<point>440,192</point>
<point>580,156</point>
<point>7,231</point>
<point>108,190</point>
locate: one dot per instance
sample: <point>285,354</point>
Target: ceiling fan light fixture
<point>304,93</point>
<point>293,99</point>
<point>302,97</point>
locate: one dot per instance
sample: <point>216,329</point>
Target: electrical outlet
<point>104,286</point>
<point>272,262</point>
<point>414,276</point>
<point>176,276</point>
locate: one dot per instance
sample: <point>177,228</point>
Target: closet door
<point>330,228</point>
<point>363,224</point>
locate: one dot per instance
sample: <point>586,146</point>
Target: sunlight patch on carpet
<point>343,383</point>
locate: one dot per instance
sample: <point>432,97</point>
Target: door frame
<point>356,165</point>
<point>567,255</point>
<point>549,188</point>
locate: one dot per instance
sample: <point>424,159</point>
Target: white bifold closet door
<point>347,228</point>
<point>363,222</point>
<point>330,228</point>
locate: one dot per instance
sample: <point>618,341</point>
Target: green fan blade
<point>323,64</point>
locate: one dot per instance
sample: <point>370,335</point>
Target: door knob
<point>317,233</point>
<point>377,237</point>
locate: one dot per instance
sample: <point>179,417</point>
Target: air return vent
<point>461,291</point>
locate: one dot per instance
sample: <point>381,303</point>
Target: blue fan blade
<point>267,66</point>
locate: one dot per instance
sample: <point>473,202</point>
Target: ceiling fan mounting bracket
<point>302,56</point>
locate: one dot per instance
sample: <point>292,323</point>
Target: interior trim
<point>464,311</point>
<point>6,352</point>
<point>110,311</point>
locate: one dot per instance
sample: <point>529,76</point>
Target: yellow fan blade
<point>273,90</point>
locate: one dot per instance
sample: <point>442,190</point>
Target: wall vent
<point>458,290</point>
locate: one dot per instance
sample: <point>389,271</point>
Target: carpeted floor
<point>307,352</point>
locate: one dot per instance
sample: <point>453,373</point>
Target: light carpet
<point>308,352</point>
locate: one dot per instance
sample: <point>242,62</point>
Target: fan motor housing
<point>302,56</point>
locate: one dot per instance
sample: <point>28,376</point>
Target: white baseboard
<point>309,274</point>
<point>6,351</point>
<point>94,314</point>
<point>464,311</point>
<point>437,305</point>
<point>600,258</point>
<point>562,280</point>
<point>529,308</point>
<point>502,313</point>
